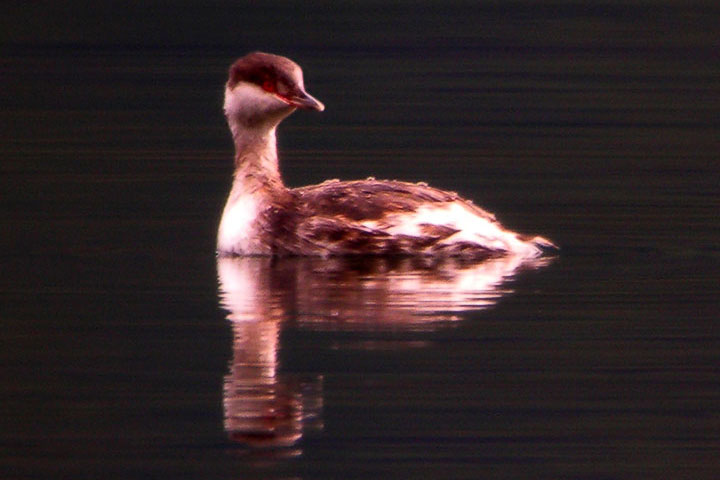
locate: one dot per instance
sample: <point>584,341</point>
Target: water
<point>129,351</point>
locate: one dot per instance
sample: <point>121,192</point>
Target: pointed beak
<point>304,100</point>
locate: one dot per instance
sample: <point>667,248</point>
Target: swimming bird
<point>362,217</point>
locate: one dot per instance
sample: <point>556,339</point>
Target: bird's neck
<point>256,161</point>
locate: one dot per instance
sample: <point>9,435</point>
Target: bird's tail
<point>544,243</point>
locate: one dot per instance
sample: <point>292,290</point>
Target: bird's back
<point>392,217</point>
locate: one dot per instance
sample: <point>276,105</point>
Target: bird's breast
<point>239,231</point>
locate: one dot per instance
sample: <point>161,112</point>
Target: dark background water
<point>594,124</point>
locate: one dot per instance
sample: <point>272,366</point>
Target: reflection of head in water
<point>261,410</point>
<point>266,408</point>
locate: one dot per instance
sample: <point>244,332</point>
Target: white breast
<point>238,228</point>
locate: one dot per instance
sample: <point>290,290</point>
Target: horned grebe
<point>264,217</point>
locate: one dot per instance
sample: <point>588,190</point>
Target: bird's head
<point>262,89</point>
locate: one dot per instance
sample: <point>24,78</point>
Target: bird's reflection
<point>263,407</point>
<point>266,408</point>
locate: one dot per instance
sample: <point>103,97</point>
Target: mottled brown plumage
<point>369,199</point>
<point>365,217</point>
<point>335,215</point>
<point>333,218</point>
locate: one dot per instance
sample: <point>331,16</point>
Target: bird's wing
<point>371,216</point>
<point>372,199</point>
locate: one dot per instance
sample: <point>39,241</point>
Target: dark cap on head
<point>274,74</point>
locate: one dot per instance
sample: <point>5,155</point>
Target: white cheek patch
<point>247,100</point>
<point>241,96</point>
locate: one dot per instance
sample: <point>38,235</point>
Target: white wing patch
<point>472,228</point>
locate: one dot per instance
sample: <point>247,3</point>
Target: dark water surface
<point>129,351</point>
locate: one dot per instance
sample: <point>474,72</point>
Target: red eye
<point>269,86</point>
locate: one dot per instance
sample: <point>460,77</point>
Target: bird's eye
<point>269,86</point>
